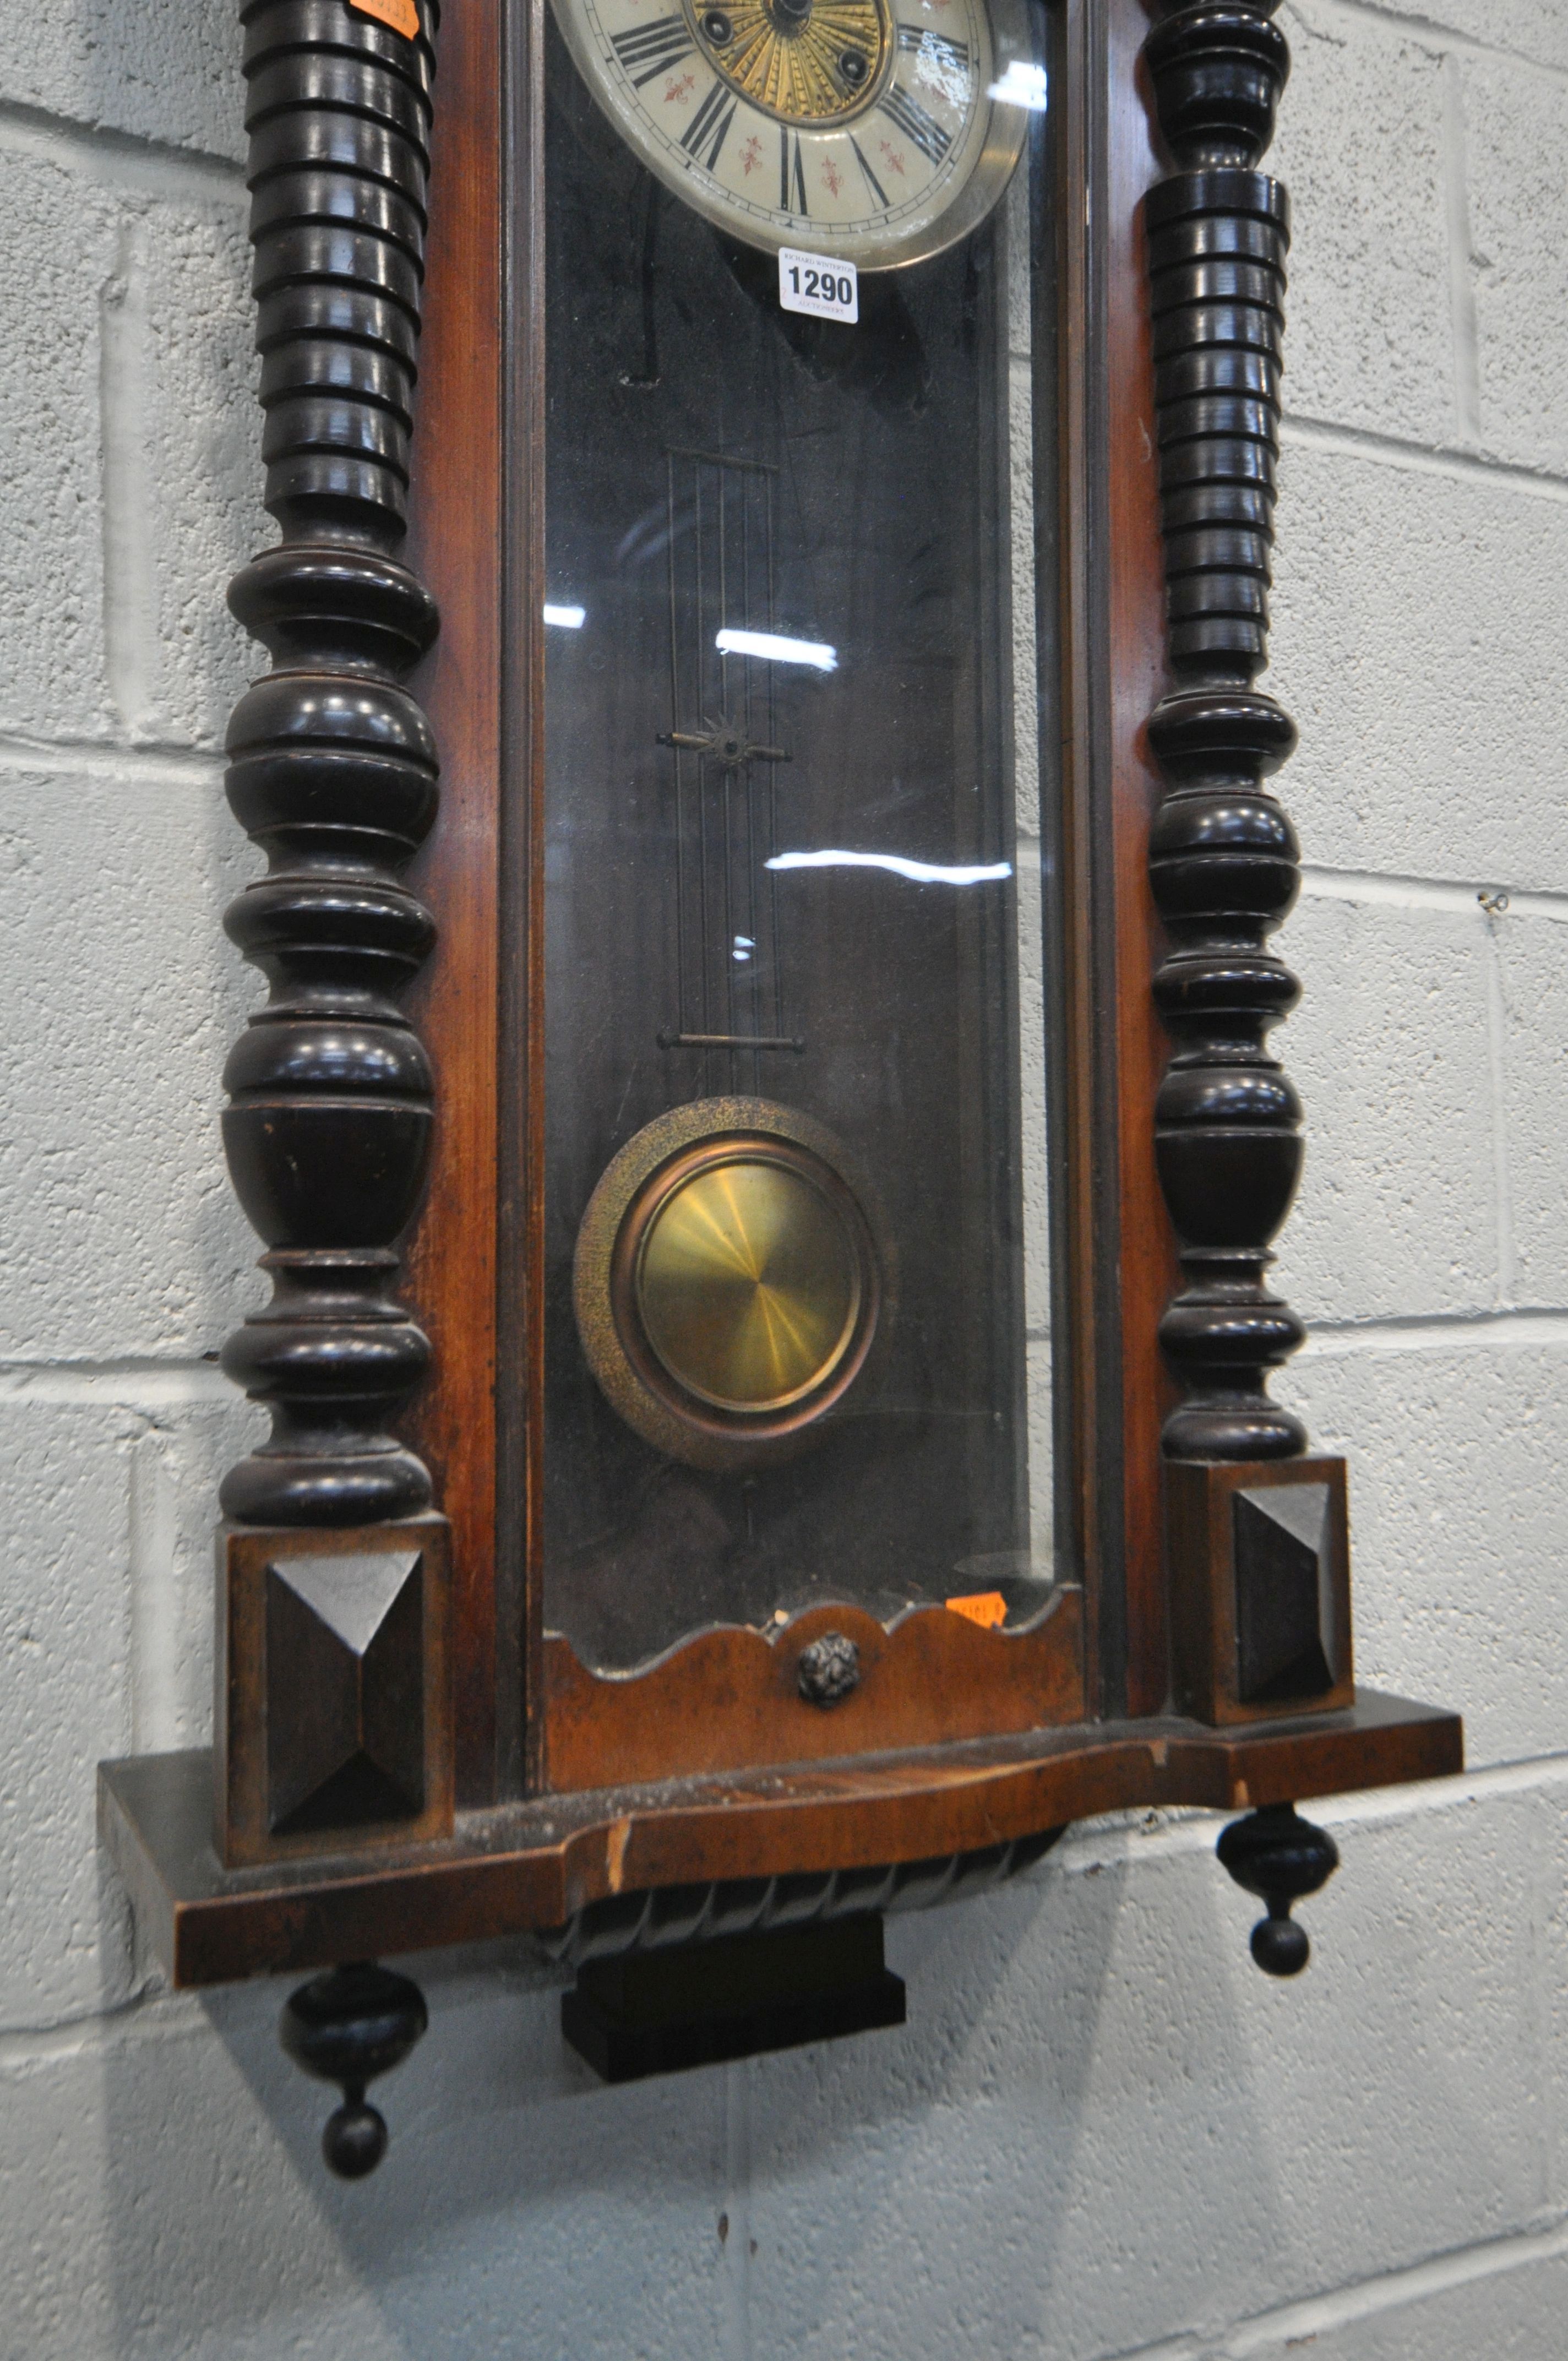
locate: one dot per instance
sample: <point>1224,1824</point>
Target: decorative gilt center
<point>805,61</point>
<point>748,1285</point>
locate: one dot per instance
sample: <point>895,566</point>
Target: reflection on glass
<point>923,873</point>
<point>1021,85</point>
<point>773,648</point>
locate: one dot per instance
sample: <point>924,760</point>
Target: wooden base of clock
<point>521,1867</point>
<point>659,2012</point>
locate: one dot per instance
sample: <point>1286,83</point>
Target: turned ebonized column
<point>332,1725</point>
<point>1257,1534</point>
<point>333,769</point>
<point>1223,854</point>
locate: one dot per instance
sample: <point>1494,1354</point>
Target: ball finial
<point>354,2140</point>
<point>1281,1858</point>
<point>347,2027</point>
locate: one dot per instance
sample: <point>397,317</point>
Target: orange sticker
<point>987,1608</point>
<point>401,14</point>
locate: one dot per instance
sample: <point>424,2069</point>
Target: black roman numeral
<point>872,183</point>
<point>912,119</point>
<point>792,164</point>
<point>650,49</point>
<point>709,127</point>
<point>951,53</point>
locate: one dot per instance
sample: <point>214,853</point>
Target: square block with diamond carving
<point>333,1727</point>
<point>1260,1556</point>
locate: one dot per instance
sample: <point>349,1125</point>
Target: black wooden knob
<point>347,2027</point>
<point>1281,1858</point>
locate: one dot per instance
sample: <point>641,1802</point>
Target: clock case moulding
<point>402,1761</point>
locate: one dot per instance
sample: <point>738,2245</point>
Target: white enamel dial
<point>862,129</point>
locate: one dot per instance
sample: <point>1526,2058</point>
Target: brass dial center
<point>748,1285</point>
<point>812,62</point>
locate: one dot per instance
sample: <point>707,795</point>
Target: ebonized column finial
<point>333,769</point>
<point>1281,1858</point>
<point>1223,856</point>
<point>347,2027</point>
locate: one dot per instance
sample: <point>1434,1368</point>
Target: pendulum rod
<point>730,848</point>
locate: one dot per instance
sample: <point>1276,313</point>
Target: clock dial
<point>862,129</point>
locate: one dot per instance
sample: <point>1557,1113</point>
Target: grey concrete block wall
<point>1533,32</point>
<point>1102,2133</point>
<point>166,72</point>
<point>1427,591</point>
<point>1373,272</point>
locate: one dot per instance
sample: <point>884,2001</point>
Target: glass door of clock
<point>797,1274</point>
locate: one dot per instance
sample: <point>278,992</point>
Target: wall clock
<point>765,1132</point>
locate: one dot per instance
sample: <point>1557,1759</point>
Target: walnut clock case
<point>763,1131</point>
